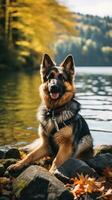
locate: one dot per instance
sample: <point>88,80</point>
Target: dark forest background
<point>92,46</point>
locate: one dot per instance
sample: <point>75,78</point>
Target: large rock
<point>36,183</point>
<point>100,162</point>
<point>71,168</point>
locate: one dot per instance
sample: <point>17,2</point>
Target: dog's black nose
<point>54,88</point>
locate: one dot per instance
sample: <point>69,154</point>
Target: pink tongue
<point>54,95</point>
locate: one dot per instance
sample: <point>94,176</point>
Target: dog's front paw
<point>15,167</point>
<point>52,169</point>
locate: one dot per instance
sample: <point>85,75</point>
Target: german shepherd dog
<point>63,131</point>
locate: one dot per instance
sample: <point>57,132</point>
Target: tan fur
<point>64,135</point>
<point>70,90</point>
<point>64,152</point>
<point>63,138</point>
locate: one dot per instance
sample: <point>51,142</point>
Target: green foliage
<point>93,46</point>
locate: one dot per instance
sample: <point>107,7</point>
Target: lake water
<point>19,99</point>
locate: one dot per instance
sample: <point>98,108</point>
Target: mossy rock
<point>37,183</point>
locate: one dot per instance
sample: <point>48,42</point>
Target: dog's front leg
<point>39,152</point>
<point>36,154</point>
<point>64,153</point>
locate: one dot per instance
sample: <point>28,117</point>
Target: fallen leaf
<point>83,185</point>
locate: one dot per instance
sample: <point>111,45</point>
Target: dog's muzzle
<point>55,89</point>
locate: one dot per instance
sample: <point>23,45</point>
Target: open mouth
<point>54,95</point>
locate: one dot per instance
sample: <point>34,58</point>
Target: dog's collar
<point>52,113</point>
<point>55,111</point>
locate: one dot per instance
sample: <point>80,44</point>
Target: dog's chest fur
<point>63,135</point>
<point>67,113</point>
<point>48,122</point>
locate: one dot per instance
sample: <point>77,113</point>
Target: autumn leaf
<point>84,184</point>
<point>108,193</point>
<point>22,154</point>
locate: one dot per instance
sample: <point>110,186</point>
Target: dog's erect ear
<point>47,61</point>
<point>69,64</point>
<point>46,64</point>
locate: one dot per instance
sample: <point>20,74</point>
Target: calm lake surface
<point>19,100</point>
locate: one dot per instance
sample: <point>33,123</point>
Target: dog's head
<point>57,86</point>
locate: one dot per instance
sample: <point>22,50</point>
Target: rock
<point>4,197</point>
<point>8,162</point>
<point>103,149</point>
<point>13,153</point>
<point>72,167</point>
<point>62,177</point>
<point>2,170</point>
<point>2,154</point>
<point>37,183</point>
<point>15,173</point>
<point>100,162</point>
<point>6,174</point>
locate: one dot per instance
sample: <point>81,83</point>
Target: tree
<point>33,26</point>
<point>92,47</point>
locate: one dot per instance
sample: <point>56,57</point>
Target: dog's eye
<point>50,76</point>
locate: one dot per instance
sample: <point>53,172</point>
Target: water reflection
<point>18,103</point>
<point>19,99</point>
<point>94,92</point>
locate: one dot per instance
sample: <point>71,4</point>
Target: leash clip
<point>55,122</point>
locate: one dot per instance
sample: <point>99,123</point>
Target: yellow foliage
<point>24,53</point>
<point>42,22</point>
<point>107,49</point>
<point>23,43</point>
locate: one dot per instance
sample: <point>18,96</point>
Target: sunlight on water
<point>19,100</point>
<point>94,92</point>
